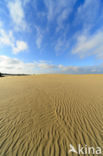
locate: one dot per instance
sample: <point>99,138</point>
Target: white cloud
<point>20,46</point>
<point>89,38</point>
<point>89,45</point>
<point>66,9</point>
<point>25,2</point>
<point>59,46</point>
<point>58,11</point>
<point>16,66</point>
<point>50,6</point>
<point>1,24</point>
<point>39,41</point>
<point>17,14</point>
<point>39,37</point>
<point>58,7</point>
<point>69,69</point>
<point>64,14</point>
<point>7,39</point>
<point>45,65</point>
<point>88,14</point>
<point>81,70</point>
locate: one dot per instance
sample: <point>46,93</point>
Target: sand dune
<point>42,115</point>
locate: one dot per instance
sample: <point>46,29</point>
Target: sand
<point>42,115</point>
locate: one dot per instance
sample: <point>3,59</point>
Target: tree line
<point>0,74</point>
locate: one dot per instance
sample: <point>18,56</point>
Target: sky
<point>51,36</point>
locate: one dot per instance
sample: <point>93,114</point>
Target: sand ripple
<point>42,115</point>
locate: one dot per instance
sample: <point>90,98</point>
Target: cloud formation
<point>17,14</point>
<point>59,8</point>
<point>1,24</point>
<point>60,31</point>
<point>7,39</point>
<point>88,45</point>
<point>39,37</point>
<point>88,14</point>
<point>20,46</point>
<point>16,66</point>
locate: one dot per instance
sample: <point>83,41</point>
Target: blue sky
<point>51,36</point>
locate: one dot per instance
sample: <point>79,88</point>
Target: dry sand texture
<point>42,115</point>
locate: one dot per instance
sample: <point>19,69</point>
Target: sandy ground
<point>42,115</point>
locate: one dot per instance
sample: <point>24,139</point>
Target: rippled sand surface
<point>42,115</point>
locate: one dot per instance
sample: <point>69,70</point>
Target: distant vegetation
<point>6,74</point>
<point>0,74</point>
